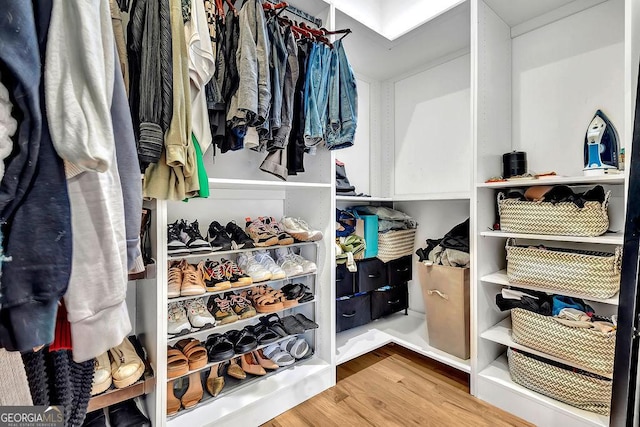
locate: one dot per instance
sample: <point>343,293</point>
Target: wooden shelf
<point>566,180</point>
<point>236,251</point>
<point>501,334</point>
<point>500,278</point>
<point>117,395</point>
<point>605,239</point>
<point>498,372</point>
<point>409,331</point>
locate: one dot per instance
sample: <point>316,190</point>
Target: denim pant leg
<point>333,115</point>
<point>317,95</point>
<point>348,101</point>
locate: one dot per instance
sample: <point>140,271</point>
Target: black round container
<point>514,164</point>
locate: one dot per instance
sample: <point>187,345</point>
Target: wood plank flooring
<point>393,386</point>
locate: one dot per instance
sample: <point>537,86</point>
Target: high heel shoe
<point>264,361</point>
<point>250,366</point>
<point>194,393</point>
<point>235,371</point>
<point>215,382</point>
<point>173,403</point>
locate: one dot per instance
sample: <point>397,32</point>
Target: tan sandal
<point>266,300</point>
<point>195,352</point>
<point>173,403</point>
<point>177,363</point>
<point>194,392</point>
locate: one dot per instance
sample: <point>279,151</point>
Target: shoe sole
<point>269,308</point>
<point>173,295</point>
<point>243,281</point>
<point>270,242</point>
<point>262,279</point>
<point>223,286</point>
<point>101,387</point>
<point>178,252</point>
<point>200,250</point>
<point>180,332</point>
<point>305,236</point>
<point>279,276</point>
<point>192,292</point>
<point>126,382</point>
<point>248,315</point>
<point>286,242</point>
<point>227,320</point>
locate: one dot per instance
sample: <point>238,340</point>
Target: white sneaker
<point>300,229</point>
<point>288,263</point>
<point>198,315</point>
<point>286,255</point>
<point>248,263</point>
<point>178,321</point>
<point>277,273</point>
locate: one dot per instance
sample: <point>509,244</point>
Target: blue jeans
<point>343,101</point>
<point>316,94</point>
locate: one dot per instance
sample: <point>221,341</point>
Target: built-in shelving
<point>500,278</point>
<point>236,251</point>
<point>110,397</point>
<point>251,184</point>
<point>554,180</point>
<point>363,199</point>
<point>605,239</point>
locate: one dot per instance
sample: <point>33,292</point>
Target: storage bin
<point>446,299</point>
<point>576,388</point>
<point>564,218</point>
<point>399,270</point>
<point>372,274</point>
<point>395,244</point>
<point>353,312</point>
<point>588,273</point>
<point>591,349</point>
<point>345,281</point>
<point>388,301</point>
<point>368,230</point>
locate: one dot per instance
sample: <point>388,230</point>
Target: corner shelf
<point>498,372</point>
<point>566,180</point>
<point>500,278</point>
<point>605,239</point>
<point>501,334</point>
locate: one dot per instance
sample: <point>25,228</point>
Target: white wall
<point>357,157</point>
<point>433,130</point>
<point>562,74</point>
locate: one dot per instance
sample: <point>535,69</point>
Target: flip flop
<point>219,348</point>
<point>306,322</point>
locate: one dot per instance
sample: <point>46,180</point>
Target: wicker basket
<point>581,390</point>
<point>395,244</point>
<point>564,218</point>
<point>591,349</point>
<point>588,273</point>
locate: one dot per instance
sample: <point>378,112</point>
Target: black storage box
<point>372,274</point>
<point>352,312</point>
<point>399,270</point>
<point>345,281</point>
<point>388,301</point>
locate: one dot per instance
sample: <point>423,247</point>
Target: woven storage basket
<point>588,273</point>
<point>395,244</point>
<point>591,349</point>
<point>583,391</point>
<point>564,218</point>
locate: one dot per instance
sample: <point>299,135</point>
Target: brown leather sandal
<point>266,300</point>
<point>195,352</point>
<point>173,403</point>
<point>177,363</point>
<point>194,392</point>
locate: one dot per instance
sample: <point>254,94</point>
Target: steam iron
<point>600,146</point>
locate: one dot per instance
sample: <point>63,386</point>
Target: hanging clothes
<point>297,147</point>
<point>8,127</point>
<point>343,101</point>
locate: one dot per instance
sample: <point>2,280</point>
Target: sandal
<point>194,393</point>
<point>219,348</point>
<point>267,300</point>
<point>293,290</point>
<point>243,340</point>
<point>296,347</point>
<point>307,295</point>
<point>264,334</point>
<point>306,322</point>
<point>292,325</point>
<point>195,352</point>
<point>177,363</point>
<point>278,356</point>
<point>173,403</point>
<point>274,323</point>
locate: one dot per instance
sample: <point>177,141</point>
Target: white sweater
<point>8,126</point>
<point>78,82</point>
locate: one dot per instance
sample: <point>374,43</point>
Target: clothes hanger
<point>345,31</point>
<point>232,7</point>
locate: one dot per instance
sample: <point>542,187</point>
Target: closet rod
<point>301,13</point>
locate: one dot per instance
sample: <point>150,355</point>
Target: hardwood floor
<point>393,386</point>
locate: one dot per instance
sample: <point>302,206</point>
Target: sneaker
<point>248,263</point>
<point>274,227</point>
<point>175,278</point>
<point>260,234</point>
<point>178,321</point>
<point>216,279</point>
<point>239,239</point>
<point>175,246</point>
<point>221,309</point>
<point>193,280</point>
<point>300,230</point>
<point>101,374</point>
<point>277,273</point>
<point>290,265</point>
<point>241,306</point>
<point>198,315</point>
<point>286,255</point>
<point>218,237</point>
<point>236,276</point>
<point>190,236</point>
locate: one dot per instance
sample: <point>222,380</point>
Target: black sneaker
<point>175,246</point>
<point>218,237</point>
<point>190,236</point>
<point>239,239</point>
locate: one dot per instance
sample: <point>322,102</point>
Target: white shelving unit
<point>612,179</point>
<point>605,239</point>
